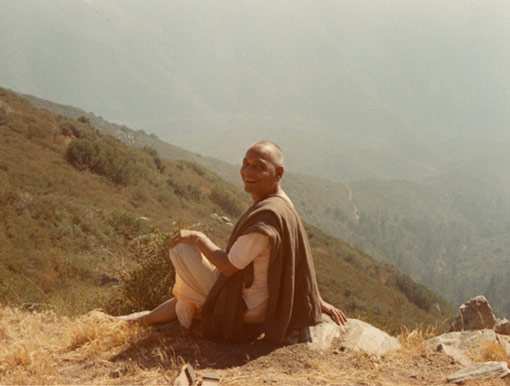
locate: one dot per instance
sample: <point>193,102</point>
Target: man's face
<point>259,173</point>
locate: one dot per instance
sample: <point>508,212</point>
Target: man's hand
<point>337,315</point>
<point>211,251</point>
<point>185,236</point>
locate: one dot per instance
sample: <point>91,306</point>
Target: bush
<point>188,191</point>
<point>159,164</point>
<point>154,153</point>
<point>151,151</point>
<point>128,225</point>
<point>226,200</point>
<point>103,159</point>
<point>84,119</point>
<point>415,292</point>
<point>150,282</point>
<point>71,129</point>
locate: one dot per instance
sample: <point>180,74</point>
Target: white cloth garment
<point>247,248</point>
<point>195,276</point>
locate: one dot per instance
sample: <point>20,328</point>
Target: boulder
<point>356,335</point>
<point>322,335</point>
<point>485,370</point>
<point>502,326</point>
<point>475,314</point>
<point>360,336</point>
<point>463,346</point>
<point>319,337</point>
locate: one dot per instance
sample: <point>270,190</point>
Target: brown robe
<point>293,292</point>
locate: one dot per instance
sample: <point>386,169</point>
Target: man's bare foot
<point>136,318</point>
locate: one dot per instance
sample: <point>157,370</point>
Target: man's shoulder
<point>277,202</point>
<point>275,210</point>
<point>276,205</point>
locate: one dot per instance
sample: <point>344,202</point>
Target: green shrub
<point>103,159</point>
<point>159,164</point>
<point>151,151</point>
<point>150,282</point>
<point>84,119</point>
<point>188,191</point>
<point>415,292</point>
<point>226,200</point>
<point>128,225</point>
<point>72,129</point>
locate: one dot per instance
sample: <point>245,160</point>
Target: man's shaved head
<point>262,169</point>
<point>272,150</point>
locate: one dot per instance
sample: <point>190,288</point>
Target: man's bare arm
<point>211,251</point>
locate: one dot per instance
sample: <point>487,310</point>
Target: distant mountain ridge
<point>366,91</point>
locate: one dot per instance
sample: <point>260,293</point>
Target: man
<point>264,281</point>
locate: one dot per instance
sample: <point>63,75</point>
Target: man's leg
<point>164,313</point>
<point>194,278</point>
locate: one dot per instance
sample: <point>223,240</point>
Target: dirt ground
<point>95,349</point>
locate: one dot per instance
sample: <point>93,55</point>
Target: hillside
<point>73,201</point>
<point>439,230</point>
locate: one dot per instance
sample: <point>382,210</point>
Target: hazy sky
<point>365,77</point>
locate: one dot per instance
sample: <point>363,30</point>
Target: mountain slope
<point>65,223</point>
<point>440,230</point>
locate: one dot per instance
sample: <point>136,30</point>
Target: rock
<point>186,376</point>
<point>322,335</point>
<point>475,314</point>
<point>105,280</point>
<point>34,307</point>
<point>355,335</point>
<point>317,337</point>
<point>502,326</point>
<point>484,370</point>
<point>225,219</point>
<point>360,336</point>
<point>464,345</point>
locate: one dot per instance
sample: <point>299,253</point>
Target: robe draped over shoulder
<point>293,302</point>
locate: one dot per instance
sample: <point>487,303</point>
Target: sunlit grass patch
<point>36,348</point>
<point>413,339</point>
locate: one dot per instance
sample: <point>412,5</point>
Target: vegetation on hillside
<point>449,232</point>
<point>78,208</point>
<point>67,226</point>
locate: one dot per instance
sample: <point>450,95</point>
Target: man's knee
<point>184,252</point>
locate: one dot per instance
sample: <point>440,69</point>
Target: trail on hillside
<point>355,214</point>
<point>43,348</point>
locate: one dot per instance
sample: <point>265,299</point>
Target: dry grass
<point>411,340</point>
<point>493,351</point>
<point>43,348</point>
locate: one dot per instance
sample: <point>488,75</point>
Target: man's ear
<point>279,172</point>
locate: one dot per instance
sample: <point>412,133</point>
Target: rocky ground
<point>42,348</point>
